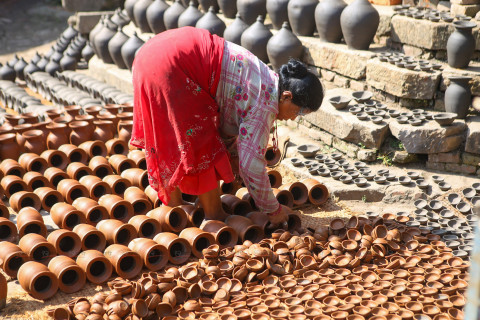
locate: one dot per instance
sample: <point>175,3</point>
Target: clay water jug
<point>278,12</point>
<point>234,31</point>
<point>461,44</point>
<point>228,7</point>
<point>125,130</point>
<point>102,39</point>
<point>359,22</point>
<point>212,23</point>
<point>34,141</point>
<point>129,6</point>
<point>103,130</point>
<point>301,15</point>
<point>115,48</point>
<point>7,72</point>
<point>327,19</point>
<point>171,15</point>
<point>458,96</point>
<point>250,9</point>
<point>57,135</point>
<point>206,4</point>
<point>18,67</point>
<point>80,132</point>
<point>140,14</point>
<point>155,16</point>
<point>119,18</point>
<point>283,46</point>
<point>190,16</point>
<point>255,39</point>
<point>129,49</point>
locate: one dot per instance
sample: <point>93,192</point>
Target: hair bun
<point>294,69</point>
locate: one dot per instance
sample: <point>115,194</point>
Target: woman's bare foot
<point>212,205</point>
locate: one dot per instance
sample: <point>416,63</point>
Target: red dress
<point>175,78</point>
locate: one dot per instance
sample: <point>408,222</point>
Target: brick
<point>367,155</point>
<point>341,82</point>
<point>446,157</point>
<point>468,10</point>
<point>328,75</point>
<point>460,168</point>
<point>348,148</point>
<point>439,166</point>
<point>471,159</point>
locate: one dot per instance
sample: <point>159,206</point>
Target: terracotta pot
<point>243,194</point>
<point>127,264</point>
<point>117,184</point>
<point>74,153</point>
<point>137,177</point>
<point>37,280</point>
<point>294,222</point>
<point>81,132</point>
<point>11,167</point>
<point>55,158</point>
<point>90,208</point>
<point>198,240</point>
<point>71,189</point>
<point>36,247</point>
<point>125,128</point>
<point>57,135</point>
<point>77,170</point>
<point>117,146</point>
<point>195,215</point>
<point>66,243</point>
<point>113,108</point>
<point>138,156</point>
<point>234,205</point>
<point>24,199</point>
<point>224,235</point>
<point>108,116</point>
<point>30,220</point>
<point>298,190</point>
<point>94,148</point>
<point>71,278</point>
<point>261,220</point>
<point>116,231</point>
<point>11,258</point>
<point>153,196</point>
<point>95,186</point>
<point>32,162</point>
<point>90,237</point>
<point>317,192</point>
<point>117,208</point>
<point>19,130</point>
<point>35,180</point>
<point>100,166</point>
<point>66,216</point>
<point>9,149</point>
<point>120,163</point>
<point>103,130</point>
<point>34,141</point>
<point>154,255</point>
<point>93,110</point>
<point>3,291</point>
<point>13,184</point>
<point>48,197</point>
<point>65,120</point>
<point>73,110</point>
<point>284,197</point>
<point>139,200</point>
<point>3,208</point>
<point>178,249</point>
<point>8,231</point>
<point>96,266</point>
<point>55,175</point>
<point>245,228</point>
<point>146,227</point>
<point>171,219</point>
<point>275,178</point>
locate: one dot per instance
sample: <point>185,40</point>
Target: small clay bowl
<point>463,207</point>
<point>404,180</point>
<point>362,96</point>
<point>308,150</point>
<point>369,176</point>
<point>402,119</point>
<point>296,162</point>
<point>394,113</point>
<point>390,176</point>
<point>362,116</point>
<point>435,205</point>
<point>324,172</point>
<point>380,179</point>
<point>381,106</point>
<point>469,193</point>
<point>410,66</point>
<point>415,122</point>
<point>445,118</point>
<point>346,178</point>
<point>360,182</point>
<point>413,175</point>
<point>454,198</point>
<point>336,175</point>
<point>422,184</point>
<point>355,110</point>
<point>444,186</point>
<point>321,157</point>
<point>376,119</point>
<point>340,102</point>
<point>369,110</point>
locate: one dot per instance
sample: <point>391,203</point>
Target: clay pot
<point>458,97</point>
<point>13,184</point>
<point>74,153</point>
<point>92,211</point>
<point>94,148</point>
<point>35,180</point>
<point>461,44</point>
<point>116,231</point>
<point>280,48</point>
<point>37,280</point>
<point>275,178</point>
<point>36,247</point>
<point>100,42</point>
<point>8,231</point>
<point>249,10</point>
<point>100,167</point>
<point>55,175</point>
<point>137,177</point>
<point>20,129</point>
<point>154,255</point>
<point>30,220</point>
<point>190,16</point>
<point>233,32</point>
<point>24,199</point>
<point>71,278</point>
<point>117,208</point>
<point>127,264</point>
<point>243,194</point>
<point>229,8</point>
<point>146,227</point>
<point>66,243</point>
<point>3,208</point>
<point>298,190</point>
<point>71,189</point>
<point>195,215</point>
<point>178,248</point>
<point>11,258</point>
<point>55,158</point>
<point>48,197</point>
<point>7,72</point>
<point>284,197</point>
<point>117,184</point>
<point>96,266</point>
<point>66,216</point>
<point>80,132</point>
<point>90,237</point>
<point>120,163</point>
<point>139,200</point>
<point>140,14</point>
<point>301,15</point>
<point>138,156</point>
<point>125,129</point>
<point>198,240</point>
<point>33,162</point>
<point>172,14</point>
<point>171,219</point>
<point>359,22</point>
<point>11,167</point>
<point>95,186</point>
<point>57,135</point>
<point>116,146</point>
<point>256,37</point>
<point>155,14</point>
<point>211,22</point>
<point>317,192</point>
<point>153,197</point>
<point>245,228</point>
<point>327,19</point>
<point>9,148</point>
<point>103,130</point>
<point>278,12</point>
<point>130,48</point>
<point>234,205</point>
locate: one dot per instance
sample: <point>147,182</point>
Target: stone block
<point>404,157</point>
<point>415,103</point>
<point>421,33</point>
<point>465,2</point>
<point>348,148</point>
<point>476,103</point>
<point>367,155</point>
<point>460,168</point>
<point>341,82</point>
<point>472,71</point>
<point>468,10</point>
<point>111,74</point>
<point>385,25</point>
<point>402,82</point>
<point>86,21</point>
<point>472,143</point>
<point>445,157</point>
<point>328,75</point>
<point>439,166</point>
<point>357,85</point>
<point>336,57</point>
<point>471,159</point>
<point>441,55</point>
<point>412,51</point>
<point>429,138</point>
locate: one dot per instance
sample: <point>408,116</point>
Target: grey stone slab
<point>83,5</point>
<point>86,21</point>
<point>111,74</point>
<point>464,2</point>
<point>472,143</point>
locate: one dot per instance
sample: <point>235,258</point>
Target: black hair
<point>306,89</point>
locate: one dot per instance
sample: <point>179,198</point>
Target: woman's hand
<point>278,219</point>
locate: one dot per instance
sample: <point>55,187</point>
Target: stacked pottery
<point>327,18</point>
<point>359,22</point>
<point>101,41</point>
<point>130,48</point>
<point>255,39</point>
<point>301,15</point>
<point>115,48</point>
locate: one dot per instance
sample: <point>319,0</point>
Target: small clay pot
<point>171,219</point>
<point>117,208</point>
<point>90,237</point>
<point>95,186</point>
<point>116,146</point>
<point>71,189</point>
<point>154,255</point>
<point>57,135</point>
<point>48,197</point>
<point>9,147</point>
<point>30,220</point>
<point>139,200</point>
<point>120,163</point>
<point>284,197</point>
<point>33,162</point>
<point>100,167</point>
<point>125,126</point>
<point>103,130</point>
<point>55,158</point>
<point>225,235</point>
<point>94,148</point>
<point>92,211</point>
<point>74,153</point>
<point>127,264</point>
<point>146,227</point>
<point>178,248</point>
<point>12,184</point>
<point>117,184</point>
<point>245,228</point>
<point>195,215</point>
<point>11,258</point>
<point>11,167</point>
<point>243,194</point>
<point>55,175</point>
<point>138,156</point>
<point>96,266</point>
<point>234,205</point>
<point>81,132</point>
<point>66,216</point>
<point>66,243</point>
<point>275,178</point>
<point>198,240</point>
<point>8,231</point>
<point>261,220</point>
<point>37,280</point>
<point>77,170</point>
<point>137,177</point>
<point>71,278</point>
<point>317,192</point>
<point>34,141</point>
<point>36,247</point>
<point>24,199</point>
<point>153,196</point>
<point>116,231</point>
<point>298,190</point>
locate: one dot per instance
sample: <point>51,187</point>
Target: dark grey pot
<point>327,19</point>
<point>283,46</point>
<point>102,39</point>
<point>206,4</point>
<point>155,16</point>
<point>115,48</point>
<point>233,32</point>
<point>190,16</point>
<point>171,15</point>
<point>18,67</point>
<point>255,39</point>
<point>458,96</point>
<point>301,15</point>
<point>359,21</point>
<point>129,49</point>
<point>228,7</point>
<point>250,9</point>
<point>278,12</point>
<point>140,14</point>
<point>461,44</point>
<point>212,23</point>
<point>128,5</point>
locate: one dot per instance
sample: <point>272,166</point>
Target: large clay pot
<point>155,16</point>
<point>154,255</point>
<point>117,183</point>
<point>57,135</point>
<point>245,228</point>
<point>66,216</point>
<point>458,97</point>
<point>138,156</point>
<point>171,219</point>
<point>48,197</point>
<point>67,243</point>
<point>55,175</point>
<point>178,249</point>
<point>103,130</point>
<point>278,12</point>
<point>228,7</point>
<point>125,130</point>
<point>115,48</point>
<point>195,215</point>
<point>100,167</point>
<point>129,49</point>
<point>24,199</point>
<point>127,264</point>
<point>97,267</point>
<point>12,184</point>
<point>71,189</point>
<point>198,240</point>
<point>249,10</point>
<point>9,148</point>
<point>283,46</point>
<point>359,22</point>
<point>225,236</point>
<point>129,7</point>
<point>11,258</point>
<point>71,278</point>
<point>20,129</point>
<point>95,186</point>
<point>68,62</point>
<point>35,180</point>
<point>8,230</point>
<point>146,227</point>
<point>117,207</point>
<point>101,41</point>
<point>33,162</point>
<point>234,31</point>
<point>234,205</point>
<point>137,177</point>
<point>317,192</point>
<point>461,44</point>
<point>80,132</point>
<point>30,220</point>
<point>212,23</point>
<point>117,146</point>
<point>37,247</point>
<point>120,163</point>
<point>87,53</point>
<point>190,16</point>
<point>171,15</point>
<point>94,148</point>
<point>327,19</point>
<point>301,15</point>
<point>255,39</point>
<point>77,170</point>
<point>92,211</point>
<point>34,141</point>
<point>37,280</point>
<point>139,200</point>
<point>116,231</point>
<point>74,153</point>
<point>90,237</point>
<point>31,68</point>
<point>140,14</point>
